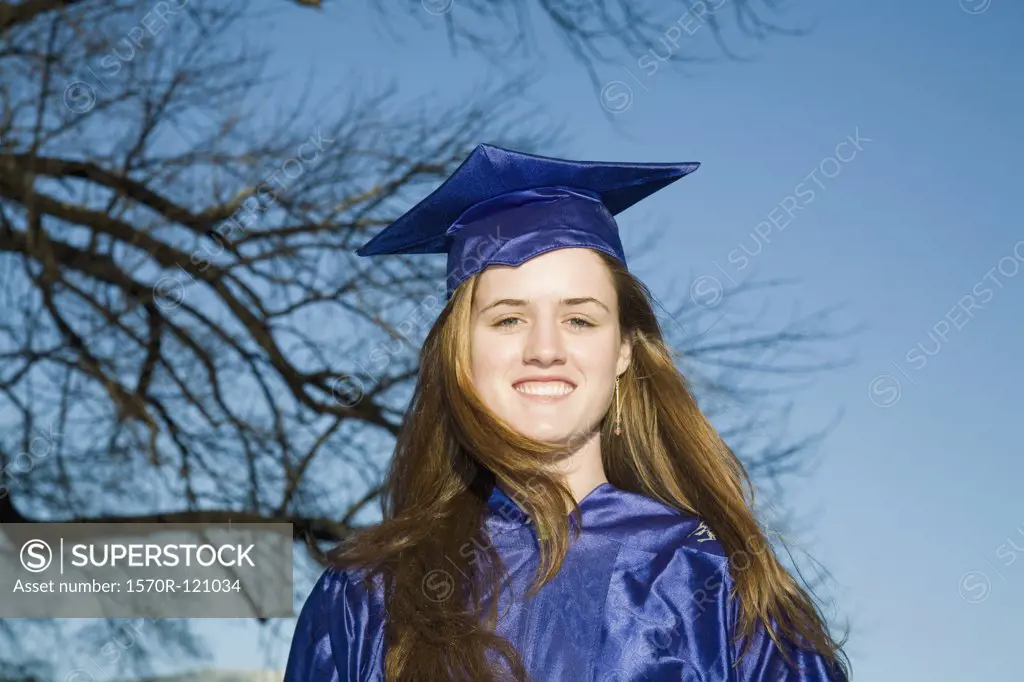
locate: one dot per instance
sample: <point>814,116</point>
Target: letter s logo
<point>36,556</point>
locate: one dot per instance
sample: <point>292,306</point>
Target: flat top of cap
<point>490,171</point>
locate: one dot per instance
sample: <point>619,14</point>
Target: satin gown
<point>642,597</point>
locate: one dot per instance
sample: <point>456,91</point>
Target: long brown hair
<point>451,452</point>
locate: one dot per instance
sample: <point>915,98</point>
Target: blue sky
<point>919,487</point>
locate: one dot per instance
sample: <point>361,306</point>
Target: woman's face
<point>546,344</point>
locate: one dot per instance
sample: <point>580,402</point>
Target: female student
<point>557,507</point>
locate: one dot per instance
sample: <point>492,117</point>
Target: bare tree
<point>603,32</point>
<point>182,321</point>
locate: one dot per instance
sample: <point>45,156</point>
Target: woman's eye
<point>575,322</point>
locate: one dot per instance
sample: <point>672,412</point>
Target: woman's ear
<point>625,354</point>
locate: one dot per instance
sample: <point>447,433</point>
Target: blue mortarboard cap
<point>506,207</point>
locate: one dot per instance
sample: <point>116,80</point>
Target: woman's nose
<point>544,344</point>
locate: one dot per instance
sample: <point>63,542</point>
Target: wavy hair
<point>452,450</point>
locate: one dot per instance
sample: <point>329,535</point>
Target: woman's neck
<point>582,469</point>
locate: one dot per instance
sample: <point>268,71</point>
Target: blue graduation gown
<point>642,597</point>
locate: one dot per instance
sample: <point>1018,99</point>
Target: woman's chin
<point>545,433</point>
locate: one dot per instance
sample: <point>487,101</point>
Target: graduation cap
<point>505,207</point>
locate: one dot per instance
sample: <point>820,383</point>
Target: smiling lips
<point>544,390</point>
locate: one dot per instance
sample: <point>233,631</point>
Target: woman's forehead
<point>562,273</point>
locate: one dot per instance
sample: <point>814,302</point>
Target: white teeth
<point>544,388</point>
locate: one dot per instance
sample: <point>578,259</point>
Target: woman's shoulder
<point>339,630</point>
<point>346,593</point>
<point>649,525</point>
<point>350,584</point>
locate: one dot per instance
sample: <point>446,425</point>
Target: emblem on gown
<point>703,533</point>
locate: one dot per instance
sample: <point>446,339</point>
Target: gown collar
<point>506,515</point>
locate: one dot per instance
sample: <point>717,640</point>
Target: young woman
<point>558,508</point>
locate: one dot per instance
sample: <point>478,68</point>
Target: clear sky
<point>919,489</point>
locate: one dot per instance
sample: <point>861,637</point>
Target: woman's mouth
<point>545,391</point>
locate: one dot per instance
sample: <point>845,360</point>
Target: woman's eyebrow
<point>505,301</point>
<point>582,300</point>
<point>518,302</point>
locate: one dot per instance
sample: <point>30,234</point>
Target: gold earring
<point>618,409</point>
